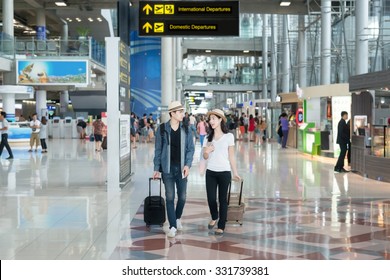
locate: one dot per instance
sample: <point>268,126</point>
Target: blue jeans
<point>201,140</point>
<point>193,129</point>
<point>284,140</point>
<point>170,179</point>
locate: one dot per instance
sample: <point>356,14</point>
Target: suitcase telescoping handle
<point>230,187</point>
<point>150,185</point>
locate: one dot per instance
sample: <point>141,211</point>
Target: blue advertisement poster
<point>145,87</point>
<point>41,32</point>
<point>52,72</point>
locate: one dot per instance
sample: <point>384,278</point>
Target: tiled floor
<point>57,206</point>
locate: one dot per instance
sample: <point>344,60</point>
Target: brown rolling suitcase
<point>104,143</point>
<point>236,207</point>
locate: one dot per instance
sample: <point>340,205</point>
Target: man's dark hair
<point>343,113</point>
<point>4,114</point>
<point>35,114</point>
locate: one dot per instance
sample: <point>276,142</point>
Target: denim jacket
<point>162,151</point>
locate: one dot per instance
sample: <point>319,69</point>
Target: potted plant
<point>82,32</point>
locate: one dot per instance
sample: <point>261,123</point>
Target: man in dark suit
<point>343,136</point>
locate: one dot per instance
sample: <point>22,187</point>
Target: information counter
<point>372,162</point>
<point>309,139</point>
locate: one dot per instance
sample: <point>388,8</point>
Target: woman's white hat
<point>218,113</point>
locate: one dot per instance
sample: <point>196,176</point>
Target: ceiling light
<point>285,3</point>
<point>246,51</point>
<point>99,19</point>
<point>90,19</point>
<point>78,19</point>
<point>61,3</point>
<point>208,51</point>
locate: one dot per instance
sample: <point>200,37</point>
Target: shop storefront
<point>291,104</point>
<point>370,127</point>
<point>315,114</point>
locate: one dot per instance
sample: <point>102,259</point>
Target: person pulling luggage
<point>173,155</point>
<point>218,150</point>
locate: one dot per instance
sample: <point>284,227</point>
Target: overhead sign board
<point>189,18</point>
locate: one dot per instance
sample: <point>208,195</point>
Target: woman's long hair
<point>43,120</point>
<point>224,129</point>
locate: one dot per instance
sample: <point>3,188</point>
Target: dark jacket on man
<point>343,134</point>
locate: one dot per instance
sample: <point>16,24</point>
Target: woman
<point>98,127</point>
<point>251,127</point>
<point>43,134</point>
<point>219,151</point>
<point>202,130</point>
<point>257,132</point>
<point>263,128</point>
<point>285,126</point>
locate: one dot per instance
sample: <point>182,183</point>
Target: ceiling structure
<point>26,10</point>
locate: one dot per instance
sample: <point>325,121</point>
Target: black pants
<point>343,151</point>
<point>220,181</point>
<point>4,143</point>
<point>43,144</point>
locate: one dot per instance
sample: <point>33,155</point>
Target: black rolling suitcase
<point>236,207</point>
<point>104,143</point>
<point>154,207</point>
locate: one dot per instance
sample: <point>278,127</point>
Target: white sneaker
<point>172,232</point>
<point>179,225</point>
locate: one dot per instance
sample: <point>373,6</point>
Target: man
<point>4,136</point>
<point>35,125</point>
<point>343,136</point>
<point>193,125</point>
<point>173,155</point>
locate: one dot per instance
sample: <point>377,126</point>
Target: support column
<point>9,104</point>
<point>361,37</point>
<point>286,57</point>
<point>302,52</point>
<point>41,103</point>
<point>41,24</point>
<point>179,68</point>
<point>64,36</point>
<point>64,101</point>
<point>166,75</point>
<point>377,12</point>
<point>274,79</point>
<point>264,68</point>
<point>8,17</point>
<point>326,40</point>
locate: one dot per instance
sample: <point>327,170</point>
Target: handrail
<point>50,48</point>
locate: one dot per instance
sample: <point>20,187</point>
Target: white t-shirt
<point>43,131</point>
<point>38,123</point>
<point>192,120</point>
<point>4,123</point>
<point>219,159</point>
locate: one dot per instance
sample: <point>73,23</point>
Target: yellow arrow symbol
<point>147,26</point>
<point>147,9</point>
